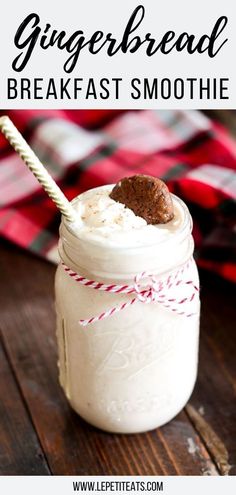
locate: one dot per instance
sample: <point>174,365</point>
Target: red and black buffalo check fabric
<point>84,149</point>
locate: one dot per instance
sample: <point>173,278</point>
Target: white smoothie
<point>136,369</point>
<point>101,219</point>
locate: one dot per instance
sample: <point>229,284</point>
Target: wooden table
<point>40,434</point>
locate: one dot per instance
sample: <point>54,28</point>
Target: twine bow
<point>148,293</point>
<point>155,291</point>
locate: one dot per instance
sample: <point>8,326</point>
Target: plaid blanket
<point>193,154</point>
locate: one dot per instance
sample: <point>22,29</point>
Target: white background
<point>172,485</point>
<point>194,16</point>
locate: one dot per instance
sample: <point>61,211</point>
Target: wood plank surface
<point>70,445</point>
<point>213,402</point>
<point>20,451</point>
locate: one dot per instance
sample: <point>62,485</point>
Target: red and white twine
<point>156,291</point>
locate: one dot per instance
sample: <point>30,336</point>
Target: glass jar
<point>135,370</point>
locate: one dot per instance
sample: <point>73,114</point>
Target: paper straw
<point>37,168</point>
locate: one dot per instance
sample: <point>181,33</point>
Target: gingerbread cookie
<point>148,197</point>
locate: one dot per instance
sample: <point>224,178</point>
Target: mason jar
<point>134,370</point>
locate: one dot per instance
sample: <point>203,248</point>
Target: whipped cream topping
<point>101,219</point>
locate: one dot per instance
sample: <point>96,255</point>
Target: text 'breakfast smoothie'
<point>132,369</point>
